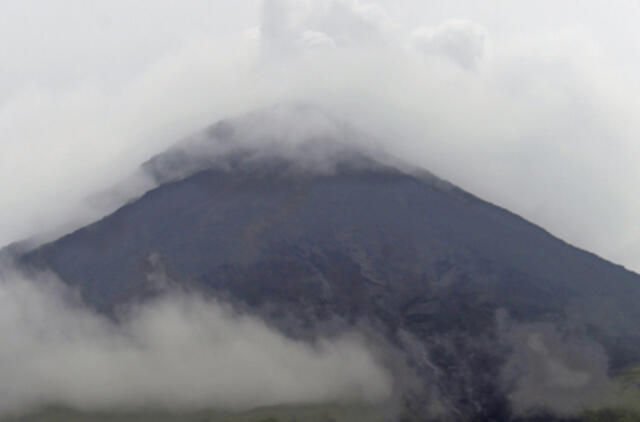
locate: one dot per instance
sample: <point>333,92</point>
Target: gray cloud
<point>177,352</point>
<point>549,370</point>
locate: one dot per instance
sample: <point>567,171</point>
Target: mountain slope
<point>337,231</point>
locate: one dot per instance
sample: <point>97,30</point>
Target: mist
<point>554,369</point>
<point>175,352</point>
<point>536,115</point>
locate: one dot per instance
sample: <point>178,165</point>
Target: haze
<point>532,106</point>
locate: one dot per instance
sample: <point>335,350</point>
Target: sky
<point>530,105</point>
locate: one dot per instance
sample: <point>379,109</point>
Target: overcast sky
<point>531,105</point>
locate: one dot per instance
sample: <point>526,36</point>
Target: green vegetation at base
<point>630,378</point>
<point>320,413</point>
<point>628,407</point>
<point>629,381</point>
<point>611,415</point>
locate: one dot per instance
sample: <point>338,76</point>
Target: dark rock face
<point>429,264</point>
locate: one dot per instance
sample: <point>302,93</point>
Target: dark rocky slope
<point>426,263</point>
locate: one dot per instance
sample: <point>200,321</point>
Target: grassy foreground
<point>628,408</point>
<point>321,413</point>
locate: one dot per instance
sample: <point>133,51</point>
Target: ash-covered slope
<point>287,212</point>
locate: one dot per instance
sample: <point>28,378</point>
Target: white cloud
<point>315,39</point>
<point>177,352</point>
<point>290,27</point>
<point>460,41</point>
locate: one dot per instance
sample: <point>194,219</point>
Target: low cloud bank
<point>176,352</point>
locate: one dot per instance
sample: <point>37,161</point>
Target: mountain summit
<point>288,212</point>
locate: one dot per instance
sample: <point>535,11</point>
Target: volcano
<point>287,212</point>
